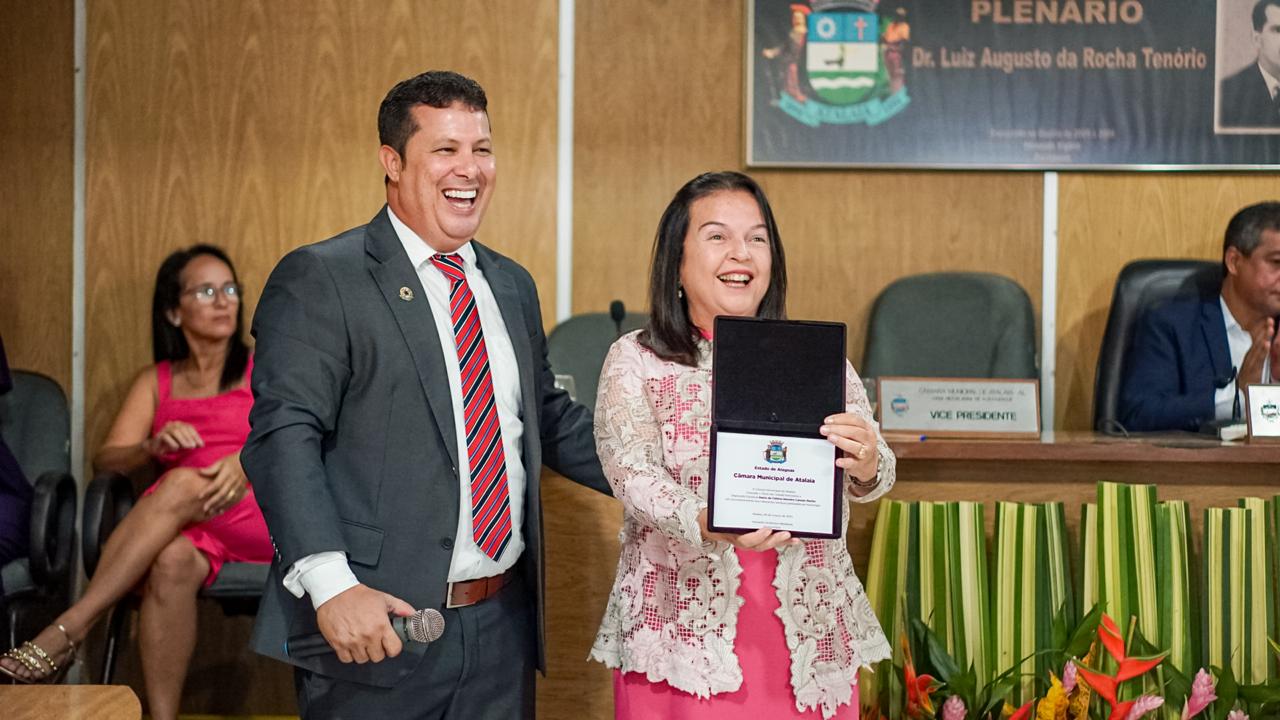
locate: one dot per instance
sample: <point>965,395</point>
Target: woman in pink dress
<point>188,415</point>
<point>700,624</point>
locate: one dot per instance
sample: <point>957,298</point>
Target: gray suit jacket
<point>353,447</point>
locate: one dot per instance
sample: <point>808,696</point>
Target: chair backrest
<point>36,424</point>
<point>1142,285</point>
<point>577,347</point>
<point>954,324</point>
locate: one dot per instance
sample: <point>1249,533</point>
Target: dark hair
<point>436,88</point>
<point>669,333</point>
<point>1260,13</point>
<point>167,341</point>
<point>1244,232</point>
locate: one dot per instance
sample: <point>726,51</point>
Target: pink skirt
<point>761,648</point>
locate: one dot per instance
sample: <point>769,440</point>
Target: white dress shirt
<point>324,575</point>
<point>1238,341</point>
<point>1273,83</point>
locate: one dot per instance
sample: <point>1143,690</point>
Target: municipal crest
<point>1270,411</point>
<point>775,452</point>
<point>843,63</point>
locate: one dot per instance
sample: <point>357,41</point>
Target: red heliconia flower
<point>1023,712</point>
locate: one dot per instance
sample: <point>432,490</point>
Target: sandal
<point>41,667</point>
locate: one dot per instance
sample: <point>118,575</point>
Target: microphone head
<point>424,626</point>
<point>617,311</point>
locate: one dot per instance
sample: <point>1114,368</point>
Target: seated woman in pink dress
<point>703,624</point>
<point>189,415</point>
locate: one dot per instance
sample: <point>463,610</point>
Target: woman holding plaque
<point>700,622</point>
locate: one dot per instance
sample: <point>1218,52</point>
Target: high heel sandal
<point>38,663</point>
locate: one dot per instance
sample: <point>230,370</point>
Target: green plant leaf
<point>941,661</point>
<point>1086,631</point>
<point>1227,691</point>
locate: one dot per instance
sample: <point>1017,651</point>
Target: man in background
<point>1191,359</point>
<point>1251,97</point>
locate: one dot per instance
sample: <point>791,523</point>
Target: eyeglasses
<point>208,293</point>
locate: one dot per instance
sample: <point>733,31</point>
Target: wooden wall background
<point>36,118</point>
<point>251,124</point>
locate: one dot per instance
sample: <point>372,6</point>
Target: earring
<point>175,321</point>
<point>679,292</point>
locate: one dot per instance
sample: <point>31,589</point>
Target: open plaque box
<point>773,384</point>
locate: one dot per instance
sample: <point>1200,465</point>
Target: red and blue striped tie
<point>490,504</point>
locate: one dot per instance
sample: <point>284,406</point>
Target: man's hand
<point>1263,333</point>
<point>356,625</point>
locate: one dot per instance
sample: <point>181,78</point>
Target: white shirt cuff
<point>321,576</point>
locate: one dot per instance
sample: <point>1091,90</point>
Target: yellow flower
<point>1054,704</point>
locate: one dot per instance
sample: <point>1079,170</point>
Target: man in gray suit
<point>403,410</point>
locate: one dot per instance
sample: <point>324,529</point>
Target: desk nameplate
<point>1262,409</point>
<point>959,407</point>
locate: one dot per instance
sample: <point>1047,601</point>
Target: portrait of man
<point>1250,98</point>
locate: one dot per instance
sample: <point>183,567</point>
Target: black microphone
<point>423,626</point>
<point>618,312</point>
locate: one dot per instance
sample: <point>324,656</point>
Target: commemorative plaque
<point>774,382</point>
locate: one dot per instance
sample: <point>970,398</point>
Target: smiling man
<point>1251,97</point>
<point>403,409</point>
<point>1191,359</point>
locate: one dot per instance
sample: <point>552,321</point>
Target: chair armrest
<point>106,501</point>
<point>53,529</point>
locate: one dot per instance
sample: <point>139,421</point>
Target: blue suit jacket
<point>1178,358</point>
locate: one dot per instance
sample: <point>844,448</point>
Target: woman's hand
<point>174,436</point>
<point>227,484</point>
<point>756,540</point>
<point>856,436</point>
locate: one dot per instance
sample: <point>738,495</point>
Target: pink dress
<point>239,534</point>
<point>761,648</point>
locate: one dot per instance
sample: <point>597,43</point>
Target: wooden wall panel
<point>655,111</point>
<point>1107,220</point>
<point>36,120</point>
<point>252,124</point>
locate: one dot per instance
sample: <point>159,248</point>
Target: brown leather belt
<point>470,592</point>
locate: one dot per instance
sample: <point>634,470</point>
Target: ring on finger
<point>862,452</point>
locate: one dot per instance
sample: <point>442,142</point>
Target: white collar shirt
<point>468,561</point>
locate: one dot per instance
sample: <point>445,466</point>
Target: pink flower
<point>1144,705</point>
<point>1237,715</point>
<point>1069,676</point>
<point>953,709</point>
<point>1201,695</point>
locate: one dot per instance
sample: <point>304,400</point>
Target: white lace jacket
<point>673,611</point>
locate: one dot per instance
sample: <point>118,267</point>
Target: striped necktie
<point>490,505</point>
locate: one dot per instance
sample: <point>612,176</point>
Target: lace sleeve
<point>629,442</point>
<point>855,398</point>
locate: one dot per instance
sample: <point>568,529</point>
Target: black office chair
<point>577,348</point>
<point>953,324</point>
<point>36,425</point>
<point>110,496</point>
<point>1141,285</point>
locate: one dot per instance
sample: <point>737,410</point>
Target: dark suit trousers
<point>481,668</point>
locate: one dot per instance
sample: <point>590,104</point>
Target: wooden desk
<point>69,702</point>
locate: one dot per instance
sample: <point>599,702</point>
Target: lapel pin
<point>406,294</point>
